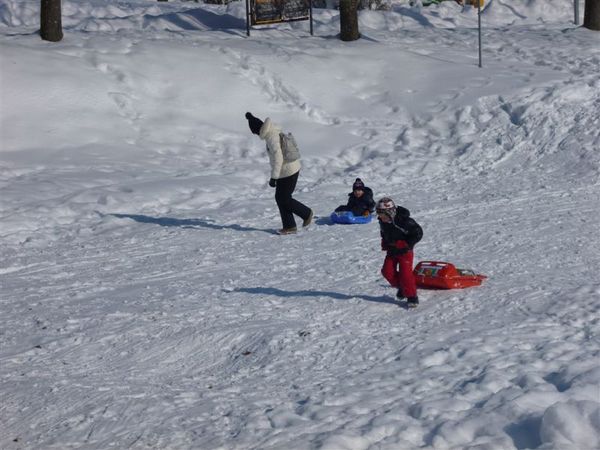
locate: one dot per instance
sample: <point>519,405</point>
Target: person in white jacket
<point>284,175</point>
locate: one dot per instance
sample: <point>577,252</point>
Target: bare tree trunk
<point>591,18</point>
<point>51,21</point>
<point>349,20</point>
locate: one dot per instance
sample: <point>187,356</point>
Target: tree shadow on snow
<point>336,37</point>
<point>311,293</point>
<point>186,223</point>
<point>416,16</point>
<point>199,19</point>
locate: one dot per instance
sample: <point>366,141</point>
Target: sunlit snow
<point>146,303</point>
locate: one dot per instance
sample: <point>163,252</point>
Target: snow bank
<point>97,15</point>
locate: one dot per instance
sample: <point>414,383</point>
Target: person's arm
<point>368,200</point>
<point>371,204</point>
<point>384,245</point>
<point>351,201</point>
<point>275,154</point>
<point>415,233</point>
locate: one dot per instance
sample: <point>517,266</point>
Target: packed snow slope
<point>146,302</point>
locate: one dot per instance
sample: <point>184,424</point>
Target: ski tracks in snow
<point>183,334</point>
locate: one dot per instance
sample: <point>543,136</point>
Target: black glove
<point>272,182</point>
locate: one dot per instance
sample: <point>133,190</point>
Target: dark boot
<point>308,220</point>
<point>412,302</point>
<point>290,230</point>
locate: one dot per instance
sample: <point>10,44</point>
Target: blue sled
<point>347,217</point>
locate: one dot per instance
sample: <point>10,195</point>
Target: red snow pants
<point>398,271</point>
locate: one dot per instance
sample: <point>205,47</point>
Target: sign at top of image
<point>274,11</point>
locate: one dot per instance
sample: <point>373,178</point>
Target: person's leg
<point>289,204</point>
<point>389,271</point>
<point>405,277</point>
<point>296,207</point>
<point>283,196</point>
<point>358,211</point>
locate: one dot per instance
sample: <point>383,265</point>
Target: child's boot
<point>412,302</point>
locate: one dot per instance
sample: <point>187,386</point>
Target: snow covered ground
<point>146,303</point>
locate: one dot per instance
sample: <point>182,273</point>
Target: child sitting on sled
<point>399,234</point>
<point>360,200</point>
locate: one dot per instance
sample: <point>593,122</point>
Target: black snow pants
<point>289,206</point>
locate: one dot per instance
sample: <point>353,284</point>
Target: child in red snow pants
<point>398,271</point>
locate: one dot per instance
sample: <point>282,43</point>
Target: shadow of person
<point>185,223</point>
<point>313,293</point>
<point>200,19</point>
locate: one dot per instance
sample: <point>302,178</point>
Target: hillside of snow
<point>147,303</point>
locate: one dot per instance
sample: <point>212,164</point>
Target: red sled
<point>444,275</point>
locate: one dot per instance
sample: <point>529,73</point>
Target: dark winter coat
<point>359,205</point>
<point>400,235</point>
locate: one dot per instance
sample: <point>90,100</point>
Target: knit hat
<point>254,123</point>
<point>358,185</point>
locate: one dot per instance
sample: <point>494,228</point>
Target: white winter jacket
<point>269,133</point>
